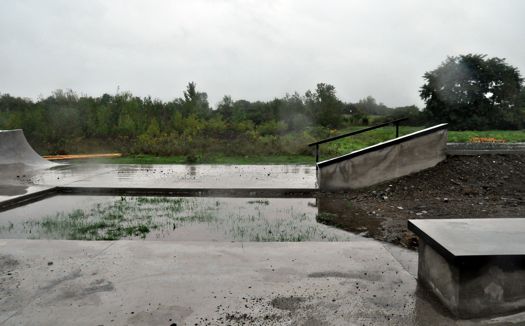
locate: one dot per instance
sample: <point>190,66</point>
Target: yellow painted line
<point>80,156</point>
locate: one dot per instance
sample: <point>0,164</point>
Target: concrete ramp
<point>384,161</point>
<point>15,150</point>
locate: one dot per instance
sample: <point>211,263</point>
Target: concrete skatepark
<point>198,282</point>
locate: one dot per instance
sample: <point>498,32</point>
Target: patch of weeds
<point>325,217</point>
<point>9,227</point>
<point>198,217</point>
<point>295,228</point>
<point>124,217</point>
<point>160,200</point>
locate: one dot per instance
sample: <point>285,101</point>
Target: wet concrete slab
<point>204,176</point>
<point>13,178</point>
<point>57,175</point>
<point>210,283</point>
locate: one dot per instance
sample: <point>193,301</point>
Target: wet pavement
<point>170,176</point>
<point>213,283</point>
<point>18,179</point>
<point>211,280</point>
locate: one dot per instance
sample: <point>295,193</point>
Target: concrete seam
<point>103,250</point>
<point>398,262</point>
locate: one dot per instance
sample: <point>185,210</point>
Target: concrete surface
<point>475,237</point>
<point>167,176</point>
<point>476,267</point>
<point>361,282</point>
<point>20,180</point>
<point>205,176</point>
<point>385,161</point>
<point>485,148</point>
<point>208,283</point>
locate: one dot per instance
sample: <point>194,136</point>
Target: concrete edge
<point>384,144</point>
<point>172,192</point>
<point>485,148</point>
<point>192,192</point>
<point>27,199</point>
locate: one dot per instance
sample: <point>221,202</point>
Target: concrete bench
<point>476,267</point>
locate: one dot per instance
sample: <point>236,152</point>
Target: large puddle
<point>180,218</point>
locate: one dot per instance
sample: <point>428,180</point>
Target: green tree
<point>325,107</point>
<point>195,102</point>
<point>370,106</point>
<point>473,92</point>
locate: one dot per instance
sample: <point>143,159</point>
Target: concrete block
<point>475,267</point>
<point>385,161</point>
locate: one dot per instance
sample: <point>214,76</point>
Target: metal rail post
<point>316,155</point>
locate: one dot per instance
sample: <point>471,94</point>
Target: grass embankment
<point>328,150</point>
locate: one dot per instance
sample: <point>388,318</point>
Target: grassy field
<point>329,150</point>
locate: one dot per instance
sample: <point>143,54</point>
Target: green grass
<point>339,147</point>
<point>510,136</point>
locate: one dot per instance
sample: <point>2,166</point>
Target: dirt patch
<point>287,303</point>
<point>7,263</point>
<point>486,186</point>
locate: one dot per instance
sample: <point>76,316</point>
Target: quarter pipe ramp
<point>14,149</point>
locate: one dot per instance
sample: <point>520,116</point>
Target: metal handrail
<point>326,140</point>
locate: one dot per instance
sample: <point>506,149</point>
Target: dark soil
<point>460,187</point>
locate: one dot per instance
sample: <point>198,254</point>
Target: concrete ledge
<point>385,161</point>
<point>476,267</point>
<point>46,192</point>
<point>485,148</point>
<point>31,197</point>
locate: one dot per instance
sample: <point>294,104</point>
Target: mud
<point>487,186</point>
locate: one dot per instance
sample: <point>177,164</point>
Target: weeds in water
<point>294,228</point>
<point>158,217</point>
<point>125,217</point>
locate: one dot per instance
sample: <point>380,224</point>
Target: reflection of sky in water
<point>204,218</point>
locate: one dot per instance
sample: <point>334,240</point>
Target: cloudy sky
<point>249,49</point>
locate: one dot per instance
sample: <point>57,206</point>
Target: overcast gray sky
<point>252,49</point>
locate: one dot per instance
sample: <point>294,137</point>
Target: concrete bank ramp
<point>15,150</point>
<point>384,161</point>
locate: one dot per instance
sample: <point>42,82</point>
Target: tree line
<point>66,122</point>
<point>469,92</point>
